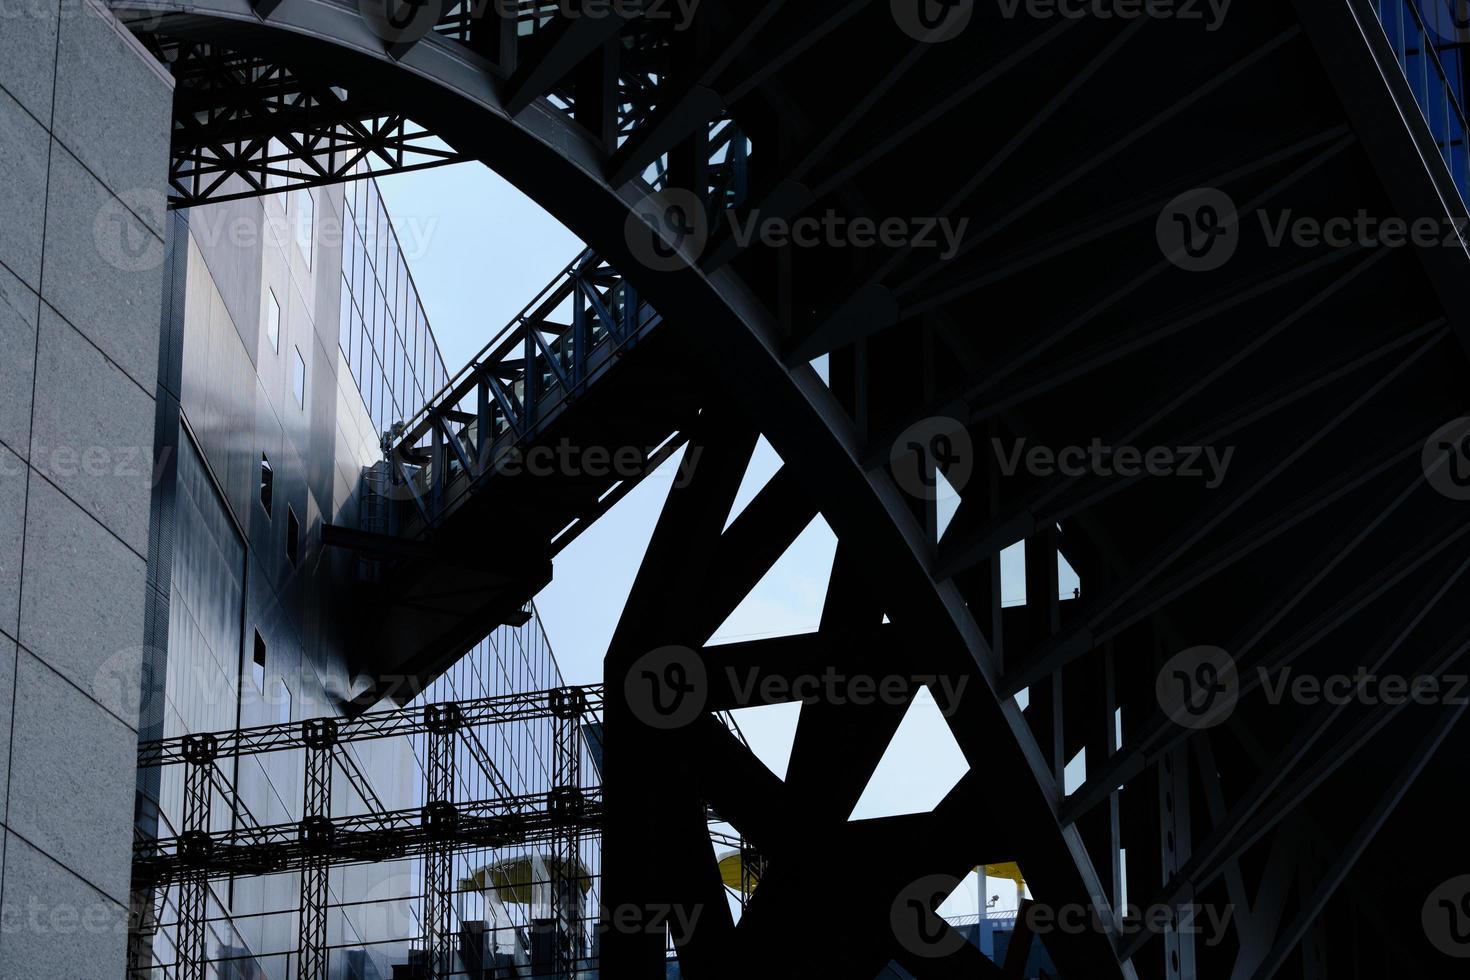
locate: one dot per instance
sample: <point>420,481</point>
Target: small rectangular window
<point>298,379</point>
<point>267,483</point>
<point>344,321</point>
<point>293,536</point>
<point>257,664</point>
<point>273,320</point>
<point>304,206</point>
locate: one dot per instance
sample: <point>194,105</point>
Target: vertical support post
<point>632,317</point>
<point>739,169</point>
<point>484,424</point>
<point>689,158</point>
<point>984,581</point>
<point>567,708</point>
<point>1174,842</point>
<point>596,79</point>
<point>145,912</point>
<point>495,34</point>
<point>581,334</point>
<point>1043,619</point>
<point>439,477</point>
<point>320,735</point>
<point>439,819</point>
<point>1314,945</point>
<point>200,751</point>
<point>531,395</point>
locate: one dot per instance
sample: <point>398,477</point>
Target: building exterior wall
<point>254,285</point>
<point>84,126</point>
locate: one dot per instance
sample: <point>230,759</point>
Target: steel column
<point>316,836</point>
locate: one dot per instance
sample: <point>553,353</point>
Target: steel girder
<point>1130,348</point>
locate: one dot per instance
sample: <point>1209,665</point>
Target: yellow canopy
<point>730,873</point>
<point>1008,869</point>
<point>513,878</point>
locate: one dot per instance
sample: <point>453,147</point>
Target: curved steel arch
<point>553,160</point>
<point>729,334</point>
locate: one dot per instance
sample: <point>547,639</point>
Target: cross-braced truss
<point>988,271</point>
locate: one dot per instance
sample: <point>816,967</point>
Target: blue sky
<point>479,250</point>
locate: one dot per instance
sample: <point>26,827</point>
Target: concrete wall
<point>84,117</point>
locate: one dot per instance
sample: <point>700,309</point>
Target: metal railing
<point>516,384</point>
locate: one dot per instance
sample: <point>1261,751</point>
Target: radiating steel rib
<point>1077,640</point>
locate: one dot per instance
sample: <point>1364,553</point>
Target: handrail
<point>420,420</point>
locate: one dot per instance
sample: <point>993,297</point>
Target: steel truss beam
<point>246,125</point>
<point>893,347</point>
<point>495,710</point>
<point>435,831</point>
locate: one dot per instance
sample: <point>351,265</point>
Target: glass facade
<point>255,631</point>
<point>382,329</point>
<point>501,892</point>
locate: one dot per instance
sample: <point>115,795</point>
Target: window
<point>293,536</point>
<point>257,665</point>
<point>273,320</point>
<point>267,483</point>
<point>298,379</point>
<point>303,206</point>
<point>344,320</point>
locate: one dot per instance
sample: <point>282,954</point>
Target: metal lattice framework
<point>1061,318</point>
<point>561,818</point>
<point>245,126</point>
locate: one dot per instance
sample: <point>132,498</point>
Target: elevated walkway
<point>543,431</point>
